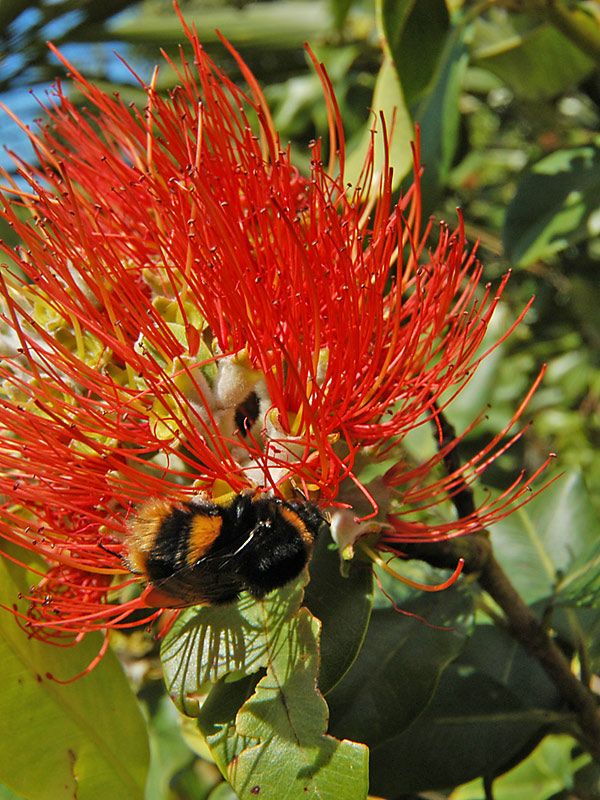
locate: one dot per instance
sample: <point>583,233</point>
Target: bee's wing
<point>211,579</point>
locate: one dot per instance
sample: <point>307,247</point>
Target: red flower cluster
<point>190,315</point>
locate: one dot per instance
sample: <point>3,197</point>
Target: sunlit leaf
<point>168,750</point>
<point>389,101</point>
<point>438,115</point>
<point>547,537</point>
<point>276,25</point>
<point>249,672</point>
<point>557,204</point>
<point>222,792</point>
<point>8,794</point>
<point>533,58</point>
<point>208,643</point>
<point>548,770</point>
<point>289,718</point>
<point>416,37</point>
<point>85,739</point>
<point>498,384</point>
<point>415,33</point>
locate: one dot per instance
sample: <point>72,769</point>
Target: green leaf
<point>289,718</point>
<point>548,770</point>
<point>169,752</point>
<point>339,10</point>
<point>501,378</point>
<point>416,34</point>
<point>343,605</point>
<point>276,25</point>
<point>533,58</point>
<point>249,672</point>
<point>416,37</point>
<point>389,101</point>
<point>581,586</point>
<point>557,204</point>
<point>399,666</point>
<point>492,652</point>
<point>579,629</point>
<point>216,718</point>
<point>391,16</point>
<point>208,643</point>
<point>85,739</point>
<point>438,115</point>
<point>7,794</point>
<point>472,727</point>
<point>223,792</point>
<point>547,537</point>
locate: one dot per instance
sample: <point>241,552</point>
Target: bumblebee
<point>202,553</point>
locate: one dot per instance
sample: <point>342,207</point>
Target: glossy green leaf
<point>389,101</point>
<point>208,643</point>
<point>297,103</point>
<point>391,16</point>
<point>548,770</point>
<point>85,739</point>
<point>492,652</point>
<point>289,718</point>
<point>472,727</point>
<point>399,666</point>
<point>579,629</point>
<point>343,605</point>
<point>581,585</point>
<point>547,537</point>
<point>276,25</point>
<point>438,115</point>
<point>499,379</point>
<point>249,672</point>
<point>282,724</point>
<point>340,9</point>
<point>416,34</point>
<point>557,204</point>
<point>223,792</point>
<point>533,58</point>
<point>216,718</point>
<point>8,794</point>
<point>168,750</point>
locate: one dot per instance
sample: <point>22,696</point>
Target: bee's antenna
<point>120,556</point>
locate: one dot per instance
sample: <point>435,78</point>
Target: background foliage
<point>508,100</point>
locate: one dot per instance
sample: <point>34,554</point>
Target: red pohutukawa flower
<point>191,316</point>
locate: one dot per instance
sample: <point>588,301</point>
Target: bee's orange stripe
<point>203,532</point>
